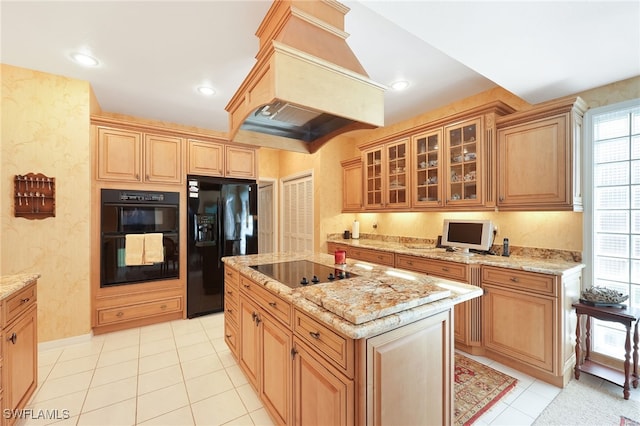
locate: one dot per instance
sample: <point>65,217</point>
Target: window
<point>612,215</point>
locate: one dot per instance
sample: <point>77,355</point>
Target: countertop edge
<point>11,284</point>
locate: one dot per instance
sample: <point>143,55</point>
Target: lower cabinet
<point>528,321</point>
<point>19,365</point>
<point>322,395</point>
<point>368,255</point>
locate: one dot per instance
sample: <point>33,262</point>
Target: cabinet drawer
<point>330,344</point>
<point>231,338</point>
<point>231,293</point>
<point>18,303</point>
<point>140,310</point>
<point>520,280</point>
<point>373,256</point>
<point>269,302</point>
<point>439,268</point>
<point>231,310</point>
<point>231,276</point>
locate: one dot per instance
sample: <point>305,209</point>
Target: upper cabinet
<point>427,169</point>
<point>240,162</point>
<point>132,156</point>
<point>205,158</point>
<point>464,156</point>
<point>539,157</point>
<point>352,185</point>
<point>387,175</point>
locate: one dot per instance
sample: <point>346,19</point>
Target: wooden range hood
<point>307,86</point>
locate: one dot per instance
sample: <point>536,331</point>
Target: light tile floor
<point>182,373</point>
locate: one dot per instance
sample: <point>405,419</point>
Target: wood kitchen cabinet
<point>205,158</point>
<point>240,162</point>
<point>366,254</point>
<point>352,185</point>
<point>387,177</point>
<point>265,347</point>
<point>539,157</point>
<point>19,372</point>
<point>132,156</point>
<point>468,315</point>
<point>528,321</point>
<point>427,169</point>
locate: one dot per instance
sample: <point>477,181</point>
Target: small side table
<point>627,316</point>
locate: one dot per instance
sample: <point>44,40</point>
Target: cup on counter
<point>340,257</point>
<point>346,234</point>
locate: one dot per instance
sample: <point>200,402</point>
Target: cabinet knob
<point>246,285</point>
<point>294,351</point>
<point>514,279</point>
<point>272,304</point>
<point>147,177</point>
<point>25,300</point>
<point>119,314</point>
<point>13,338</point>
<point>315,335</point>
<point>163,307</point>
<point>445,269</point>
<point>228,336</point>
<point>137,176</point>
<point>501,198</point>
<point>410,263</point>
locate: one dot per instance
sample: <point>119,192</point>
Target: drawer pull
<point>246,285</point>
<point>315,335</point>
<point>231,312</point>
<point>409,263</point>
<point>228,336</point>
<point>13,338</point>
<point>25,300</point>
<point>163,307</point>
<point>272,304</point>
<point>119,314</point>
<point>514,279</point>
<point>229,292</point>
<point>229,274</point>
<point>445,269</point>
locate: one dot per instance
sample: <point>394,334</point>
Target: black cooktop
<point>301,273</point>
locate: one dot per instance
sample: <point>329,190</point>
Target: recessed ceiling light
<point>399,85</point>
<point>206,90</point>
<point>84,59</point>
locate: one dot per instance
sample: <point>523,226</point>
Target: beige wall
<point>45,129</point>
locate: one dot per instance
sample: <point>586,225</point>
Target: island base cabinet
<point>410,374</point>
<point>322,395</point>
<point>276,370</point>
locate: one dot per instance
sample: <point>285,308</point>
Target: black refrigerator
<point>222,220</point>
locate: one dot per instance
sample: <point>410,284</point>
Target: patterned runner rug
<point>477,388</point>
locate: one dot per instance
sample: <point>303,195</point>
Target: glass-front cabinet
<point>427,188</point>
<point>387,179</point>
<point>464,158</point>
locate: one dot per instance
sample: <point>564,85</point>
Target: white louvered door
<point>297,214</point>
<point>266,216</point>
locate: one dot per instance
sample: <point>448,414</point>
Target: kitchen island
<point>373,348</point>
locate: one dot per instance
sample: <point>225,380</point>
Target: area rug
<point>591,402</point>
<point>477,388</point>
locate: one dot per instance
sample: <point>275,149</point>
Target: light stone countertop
<point>10,284</point>
<point>546,263</point>
<point>363,306</point>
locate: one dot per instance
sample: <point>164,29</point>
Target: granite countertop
<point>10,284</point>
<point>366,305</point>
<point>545,262</point>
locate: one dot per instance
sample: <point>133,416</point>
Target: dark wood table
<point>625,316</point>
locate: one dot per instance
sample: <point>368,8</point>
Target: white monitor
<point>468,234</point>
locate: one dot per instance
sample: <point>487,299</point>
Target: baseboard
<point>67,341</point>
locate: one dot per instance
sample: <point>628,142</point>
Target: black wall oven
<point>126,212</point>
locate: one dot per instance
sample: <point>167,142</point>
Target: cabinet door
<point>398,179</point>
<point>352,185</point>
<point>464,159</point>
<point>240,162</point>
<point>20,359</point>
<point>374,169</point>
<point>534,167</point>
<point>322,396</point>
<point>163,159</point>
<point>520,326</point>
<point>118,153</point>
<point>205,158</point>
<point>410,374</point>
<point>249,342</point>
<point>276,369</point>
<point>427,166</point>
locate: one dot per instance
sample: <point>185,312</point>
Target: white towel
<point>134,249</point>
<point>153,249</point>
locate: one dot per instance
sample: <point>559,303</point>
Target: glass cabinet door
<point>426,154</point>
<point>373,178</point>
<point>463,163</point>
<point>397,173</point>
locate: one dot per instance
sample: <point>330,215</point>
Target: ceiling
<point>153,54</point>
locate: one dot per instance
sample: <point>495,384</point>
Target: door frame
<point>275,206</point>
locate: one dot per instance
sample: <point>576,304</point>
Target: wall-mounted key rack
<point>34,196</point>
